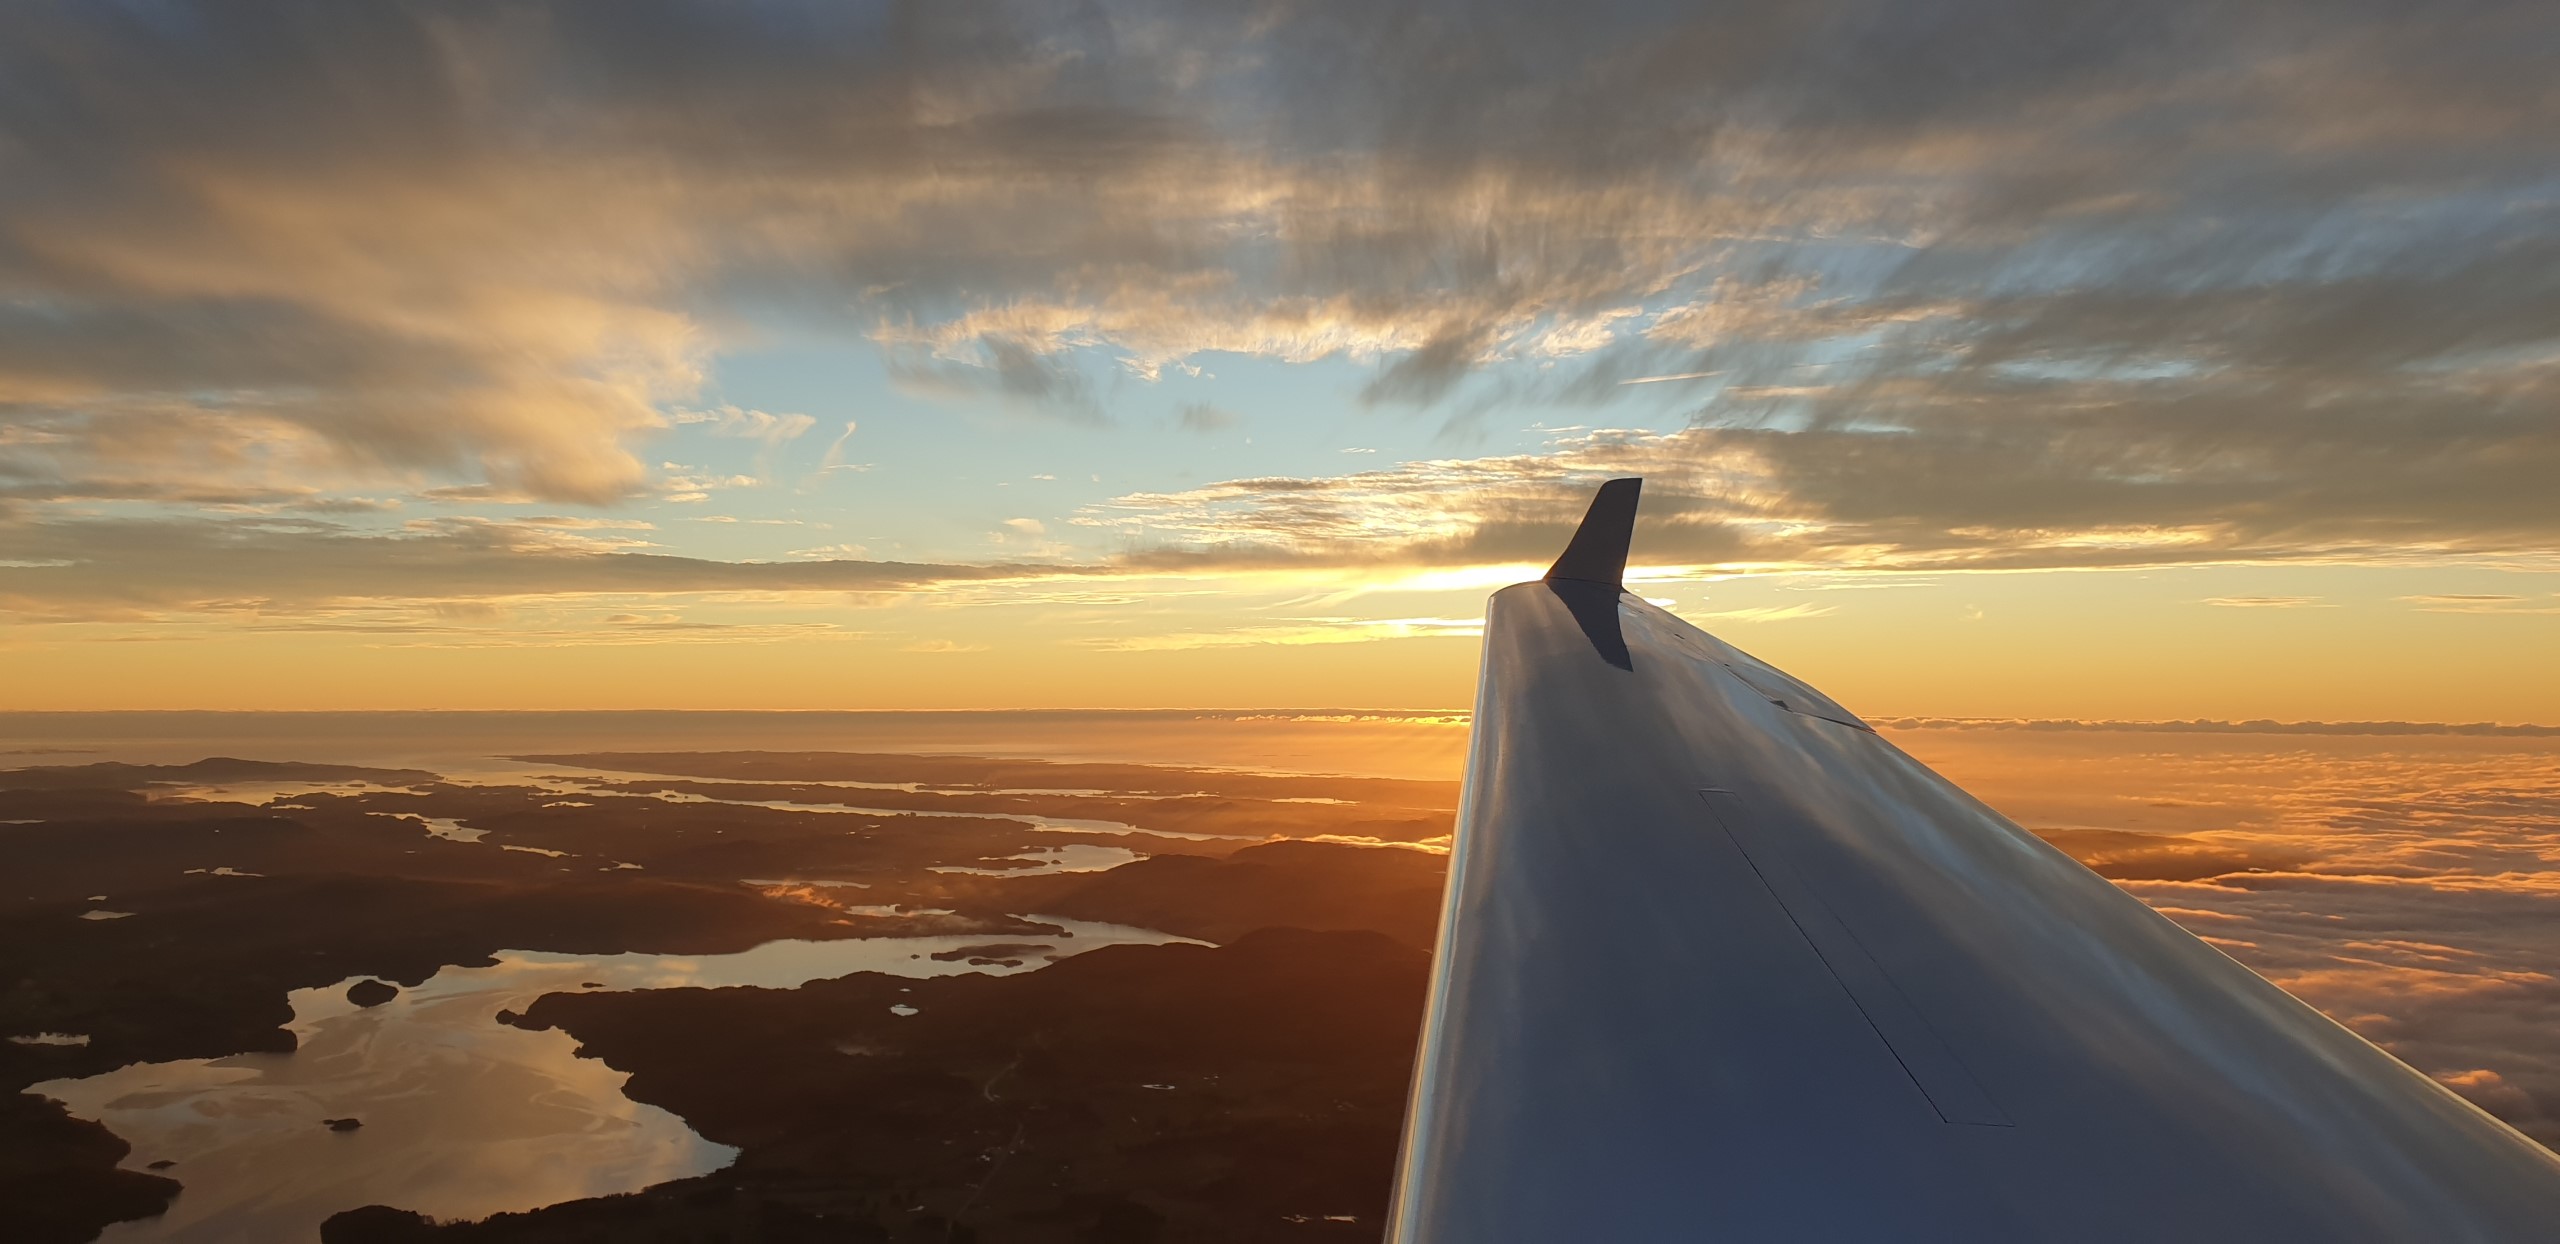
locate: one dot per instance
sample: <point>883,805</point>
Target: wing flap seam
<point>1941,1077</point>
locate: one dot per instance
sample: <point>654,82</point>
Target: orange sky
<point>2113,644</point>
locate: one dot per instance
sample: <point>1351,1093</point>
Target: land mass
<point>160,918</point>
<point>1247,1092</point>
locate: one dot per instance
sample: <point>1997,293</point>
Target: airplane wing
<point>1718,962</point>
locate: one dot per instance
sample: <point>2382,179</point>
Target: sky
<point>1992,358</point>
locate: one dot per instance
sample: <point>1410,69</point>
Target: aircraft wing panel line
<point>1934,1069</point>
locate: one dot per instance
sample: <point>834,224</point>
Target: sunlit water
<point>1046,824</point>
<point>547,778</point>
<point>462,1116</point>
<point>1078,857</point>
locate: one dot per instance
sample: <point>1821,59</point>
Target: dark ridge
<point>117,775</point>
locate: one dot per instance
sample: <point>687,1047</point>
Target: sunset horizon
<point>1137,622</point>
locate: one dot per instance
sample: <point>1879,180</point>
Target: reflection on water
<point>546,778</point>
<point>261,792</point>
<point>451,829</point>
<point>462,1117</point>
<point>1078,857</point>
<point>1048,824</point>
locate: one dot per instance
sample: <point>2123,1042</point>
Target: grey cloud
<point>2275,268</point>
<point>1006,367</point>
<point>1427,374</point>
<point>187,344</point>
<point>1205,417</point>
<point>2131,856</point>
<point>1977,474</point>
<point>282,567</point>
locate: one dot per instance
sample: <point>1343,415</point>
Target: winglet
<point>1598,553</point>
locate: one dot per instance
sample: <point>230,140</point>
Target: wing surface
<point>1719,962</point>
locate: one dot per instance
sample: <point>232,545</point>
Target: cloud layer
<point>301,571</point>
<point>2403,878</point>
<point>1978,282</point>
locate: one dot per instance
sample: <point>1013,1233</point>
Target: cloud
<point>2269,602</point>
<point>1297,633</point>
<point>2407,883</point>
<point>2455,981</point>
<point>1203,417</point>
<point>2282,277</point>
<point>142,569</point>
<point>1009,368</point>
<point>2482,603</point>
<point>394,628</point>
<point>1431,369</point>
<point>682,487</point>
<point>1772,613</point>
<point>2127,856</point>
<point>834,457</point>
<point>755,425</point>
<point>2017,492</point>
